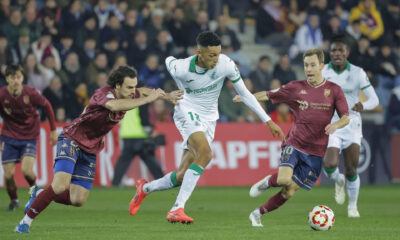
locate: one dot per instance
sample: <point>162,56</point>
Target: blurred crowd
<point>68,47</point>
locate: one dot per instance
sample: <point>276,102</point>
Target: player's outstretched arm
<point>342,122</point>
<point>172,97</point>
<point>260,96</point>
<point>118,105</point>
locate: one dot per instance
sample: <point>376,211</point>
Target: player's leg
<point>351,157</point>
<point>331,169</point>
<point>280,178</point>
<point>27,169</point>
<point>11,186</point>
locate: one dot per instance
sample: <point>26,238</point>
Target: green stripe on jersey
<point>236,80</point>
<point>369,85</point>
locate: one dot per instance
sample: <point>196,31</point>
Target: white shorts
<point>344,137</point>
<point>188,121</point>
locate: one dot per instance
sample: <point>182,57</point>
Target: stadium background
<point>68,47</point>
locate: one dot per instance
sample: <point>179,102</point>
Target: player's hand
<point>237,99</point>
<point>53,137</point>
<point>358,107</point>
<point>276,130</point>
<point>330,128</point>
<point>174,96</point>
<point>156,94</point>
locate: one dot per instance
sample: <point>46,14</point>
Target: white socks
<point>190,179</point>
<point>333,174</point>
<point>166,182</point>
<point>26,220</point>
<point>353,189</point>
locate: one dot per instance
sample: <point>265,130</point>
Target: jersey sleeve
<point>102,97</point>
<point>171,65</point>
<point>232,72</point>
<point>340,102</point>
<point>282,94</point>
<point>37,98</point>
<point>364,80</point>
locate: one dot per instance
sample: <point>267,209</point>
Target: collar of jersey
<point>192,66</point>
<point>347,67</point>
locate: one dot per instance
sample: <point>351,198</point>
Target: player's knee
<point>329,165</point>
<point>287,192</point>
<point>78,202</point>
<point>8,175</point>
<point>351,173</point>
<point>179,175</point>
<point>59,188</point>
<point>205,152</point>
<point>283,180</point>
<point>26,171</point>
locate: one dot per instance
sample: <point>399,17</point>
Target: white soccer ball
<point>321,218</point>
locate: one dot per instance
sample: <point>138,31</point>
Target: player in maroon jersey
<point>77,146</point>
<point>313,103</point>
<point>21,126</point>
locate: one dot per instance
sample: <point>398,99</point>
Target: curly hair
<point>117,76</point>
<point>208,39</point>
<point>11,70</point>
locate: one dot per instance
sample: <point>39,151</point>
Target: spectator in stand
<point>261,76</point>
<point>120,10</point>
<point>149,74</point>
<point>44,47</point>
<point>320,8</point>
<point>51,26</point>
<point>163,47</point>
<point>250,115</point>
<point>5,10</point>
<point>275,84</point>
<point>138,50</point>
<point>393,113</point>
<point>282,114</point>
<point>283,71</point>
<point>308,36</point>
<point>6,56</point>
<point>102,12</point>
<point>295,17</point>
<point>156,24</point>
<point>388,73</point>
<point>191,8</point>
<point>12,26</point>
<point>61,96</point>
<point>178,28</point>
<point>111,48</point>
<point>23,46</point>
<point>129,26</point>
<point>99,64</point>
<point>159,112</point>
<point>113,29</point>
<point>88,52</point>
<point>72,74</point>
<point>168,7</point>
<point>61,115</point>
<point>66,45</point>
<point>353,34</point>
<point>73,15</point>
<point>120,61</point>
<point>331,30</point>
<point>51,6</point>
<point>363,56</point>
<point>391,20</point>
<point>196,27</point>
<point>270,26</point>
<point>371,20</point>
<point>35,26</point>
<point>32,73</point>
<point>101,81</point>
<point>89,28</point>
<point>48,68</point>
<point>230,111</point>
<point>144,15</point>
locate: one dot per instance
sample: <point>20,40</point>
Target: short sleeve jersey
<point>20,116</point>
<point>313,108</point>
<point>352,79</point>
<point>202,89</point>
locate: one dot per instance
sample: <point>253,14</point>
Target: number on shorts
<point>286,153</point>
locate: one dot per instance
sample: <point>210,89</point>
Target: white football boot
<point>255,219</point>
<point>340,193</point>
<point>259,187</point>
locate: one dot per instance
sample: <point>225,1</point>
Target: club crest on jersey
<point>327,92</point>
<point>303,92</point>
<point>26,99</point>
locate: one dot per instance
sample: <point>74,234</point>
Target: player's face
<point>312,69</point>
<point>208,57</point>
<point>127,89</point>
<point>15,81</point>
<point>339,54</point>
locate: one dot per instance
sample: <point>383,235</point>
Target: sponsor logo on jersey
<point>327,92</point>
<point>26,99</point>
<point>201,90</point>
<point>303,105</point>
<point>303,92</point>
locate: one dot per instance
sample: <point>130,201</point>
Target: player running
<point>313,103</point>
<point>21,126</point>
<point>201,77</point>
<point>77,146</point>
<point>351,79</point>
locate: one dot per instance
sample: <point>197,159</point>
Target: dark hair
<point>11,70</point>
<point>264,57</point>
<point>208,39</point>
<point>117,76</point>
<point>340,38</point>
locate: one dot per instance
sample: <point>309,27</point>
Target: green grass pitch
<point>219,213</point>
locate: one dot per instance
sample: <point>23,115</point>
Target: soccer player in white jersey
<point>348,139</point>
<point>201,77</point>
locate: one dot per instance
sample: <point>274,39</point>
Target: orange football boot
<point>138,198</point>
<point>179,216</point>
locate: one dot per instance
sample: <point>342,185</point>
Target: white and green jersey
<point>202,86</point>
<point>352,79</point>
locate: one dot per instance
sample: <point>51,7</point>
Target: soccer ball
<point>321,218</point>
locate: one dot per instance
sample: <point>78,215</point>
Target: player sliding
<point>77,146</point>
<point>202,77</point>
<point>352,79</point>
<point>313,103</point>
